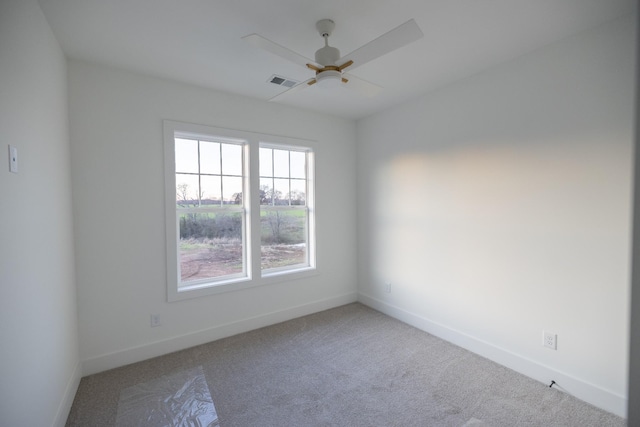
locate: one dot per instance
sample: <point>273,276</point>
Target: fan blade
<point>266,44</point>
<point>300,86</point>
<point>361,86</point>
<point>388,42</point>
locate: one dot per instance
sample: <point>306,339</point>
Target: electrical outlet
<point>550,340</point>
<point>387,287</point>
<point>13,159</point>
<point>155,320</point>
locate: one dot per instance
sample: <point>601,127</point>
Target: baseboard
<point>67,399</point>
<point>159,348</point>
<point>590,393</point>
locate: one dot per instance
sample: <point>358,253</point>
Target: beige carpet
<point>349,366</point>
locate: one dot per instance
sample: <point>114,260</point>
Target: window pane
<point>186,190</point>
<point>266,163</point>
<point>281,193</point>
<point>186,155</point>
<point>266,191</point>
<point>210,194</point>
<point>231,159</point>
<point>298,164</point>
<point>210,157</point>
<point>232,189</point>
<point>298,192</point>
<point>283,238</point>
<point>210,245</point>
<point>281,163</point>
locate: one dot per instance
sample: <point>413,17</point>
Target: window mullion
<point>199,178</point>
<point>273,179</point>
<point>221,180</point>
<point>253,206</point>
<point>289,180</point>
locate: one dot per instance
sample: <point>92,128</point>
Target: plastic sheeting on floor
<point>178,400</point>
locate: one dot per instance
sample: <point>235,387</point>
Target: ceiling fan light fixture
<point>329,79</point>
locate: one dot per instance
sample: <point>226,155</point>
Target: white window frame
<point>253,275</point>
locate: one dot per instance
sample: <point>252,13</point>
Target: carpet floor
<point>348,366</point>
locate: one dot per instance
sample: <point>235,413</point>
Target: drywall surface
<point>118,189</point>
<point>38,319</point>
<point>500,207</point>
<point>634,341</point>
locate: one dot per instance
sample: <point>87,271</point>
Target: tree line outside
<point>283,226</point>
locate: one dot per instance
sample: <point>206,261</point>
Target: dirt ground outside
<point>207,258</point>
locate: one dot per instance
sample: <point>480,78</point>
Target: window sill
<point>234,285</point>
<point>283,276</point>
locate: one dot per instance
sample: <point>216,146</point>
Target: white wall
<point>634,342</point>
<point>39,369</point>
<point>117,173</point>
<point>500,206</point>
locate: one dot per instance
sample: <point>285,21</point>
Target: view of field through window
<point>283,208</point>
<point>210,182</point>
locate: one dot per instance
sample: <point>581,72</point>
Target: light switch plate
<point>13,159</point>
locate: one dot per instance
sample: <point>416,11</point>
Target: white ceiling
<point>199,41</point>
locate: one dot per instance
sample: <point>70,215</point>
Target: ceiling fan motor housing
<point>327,55</point>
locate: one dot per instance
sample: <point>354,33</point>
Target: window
<point>209,209</point>
<point>215,180</point>
<point>284,212</point>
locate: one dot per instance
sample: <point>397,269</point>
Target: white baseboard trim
<point>590,393</point>
<point>170,345</point>
<point>67,399</point>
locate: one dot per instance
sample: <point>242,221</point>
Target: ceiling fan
<point>330,67</point>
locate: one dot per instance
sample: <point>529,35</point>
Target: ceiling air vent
<point>282,81</point>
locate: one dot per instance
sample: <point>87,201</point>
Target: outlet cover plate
<point>550,340</point>
<point>155,320</point>
<point>13,159</point>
